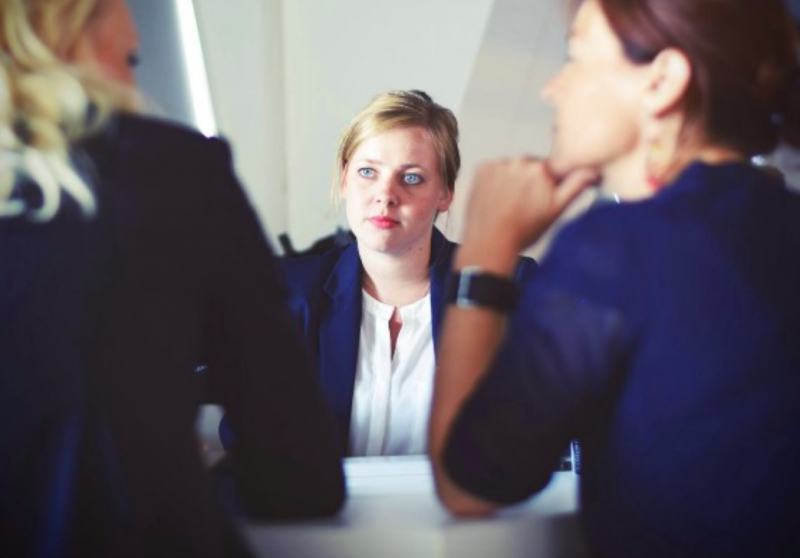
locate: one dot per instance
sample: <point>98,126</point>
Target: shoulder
<point>155,144</point>
<point>160,132</point>
<point>305,276</point>
<point>442,250</point>
<point>151,157</point>
<point>602,257</point>
<point>597,236</point>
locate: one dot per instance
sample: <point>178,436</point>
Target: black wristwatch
<point>474,287</point>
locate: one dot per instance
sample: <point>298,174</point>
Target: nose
<point>548,92</point>
<point>387,191</point>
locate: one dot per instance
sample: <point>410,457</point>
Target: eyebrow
<point>402,167</point>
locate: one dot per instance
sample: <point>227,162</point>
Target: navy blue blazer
<point>665,335</point>
<point>325,300</point>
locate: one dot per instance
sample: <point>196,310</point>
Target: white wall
<point>340,54</point>
<point>161,74</point>
<point>287,76</point>
<point>243,50</point>
<point>502,114</point>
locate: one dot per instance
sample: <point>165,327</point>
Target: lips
<point>383,223</point>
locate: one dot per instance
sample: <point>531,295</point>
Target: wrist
<point>473,287</point>
<point>492,257</point>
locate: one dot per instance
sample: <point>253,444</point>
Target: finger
<point>572,185</point>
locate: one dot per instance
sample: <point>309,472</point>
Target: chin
<point>381,248</point>
<point>558,159</point>
<point>376,242</point>
<point>560,166</point>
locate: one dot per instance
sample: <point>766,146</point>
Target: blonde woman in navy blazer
<point>130,255</point>
<point>397,164</point>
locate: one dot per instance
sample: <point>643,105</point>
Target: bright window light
<point>199,92</point>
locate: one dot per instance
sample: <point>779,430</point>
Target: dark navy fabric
<point>665,335</point>
<point>102,323</point>
<point>325,300</point>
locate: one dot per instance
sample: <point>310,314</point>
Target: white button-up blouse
<point>392,394</point>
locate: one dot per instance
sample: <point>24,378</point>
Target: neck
<point>397,280</point>
<point>709,154</point>
<point>627,177</point>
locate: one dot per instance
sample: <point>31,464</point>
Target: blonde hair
<point>46,104</point>
<point>403,109</point>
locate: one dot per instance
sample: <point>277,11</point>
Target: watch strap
<point>474,287</point>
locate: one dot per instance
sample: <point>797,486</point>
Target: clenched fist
<point>514,201</point>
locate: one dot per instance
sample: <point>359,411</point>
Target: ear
<point>81,52</point>
<point>445,200</point>
<point>669,77</point>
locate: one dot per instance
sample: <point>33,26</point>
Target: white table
<point>392,511</point>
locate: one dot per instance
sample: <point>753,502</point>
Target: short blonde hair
<point>403,109</point>
<point>46,104</point>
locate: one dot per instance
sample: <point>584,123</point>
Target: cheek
<point>426,210</point>
<point>117,68</point>
<point>597,123</point>
<point>613,133</point>
<point>351,213</point>
<point>444,202</point>
<point>109,52</point>
<point>617,124</point>
<point>355,203</point>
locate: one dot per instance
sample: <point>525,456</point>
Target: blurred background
<point>282,78</point>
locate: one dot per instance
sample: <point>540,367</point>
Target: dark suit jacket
<point>325,300</point>
<point>102,323</point>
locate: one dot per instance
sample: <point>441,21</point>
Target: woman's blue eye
<point>412,178</point>
<point>366,172</point>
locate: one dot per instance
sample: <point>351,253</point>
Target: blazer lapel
<point>339,335</point>
<point>441,260</point>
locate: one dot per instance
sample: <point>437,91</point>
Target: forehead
<point>591,27</point>
<point>407,145</point>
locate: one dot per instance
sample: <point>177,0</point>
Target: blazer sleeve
<point>285,460</point>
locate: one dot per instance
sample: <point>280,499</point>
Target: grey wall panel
<point>162,73</point>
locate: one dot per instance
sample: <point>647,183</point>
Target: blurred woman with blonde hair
<point>130,255</point>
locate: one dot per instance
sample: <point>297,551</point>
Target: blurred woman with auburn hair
<point>662,331</point>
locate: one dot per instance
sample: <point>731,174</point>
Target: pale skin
<point>396,282</point>
<point>393,190</point>
<point>515,201</point>
<point>108,41</point>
